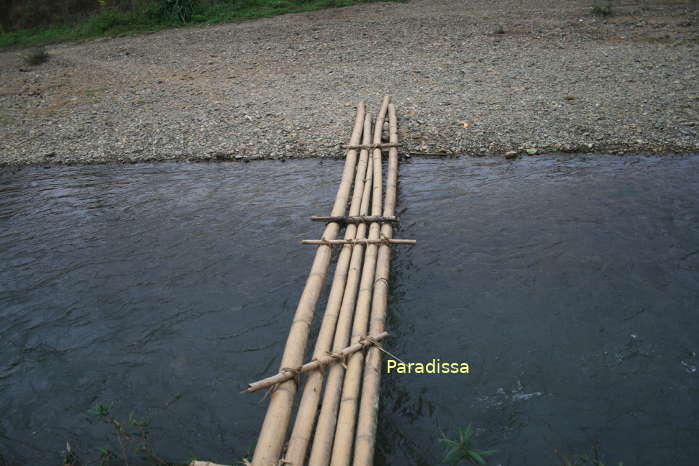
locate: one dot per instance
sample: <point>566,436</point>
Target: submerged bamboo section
<point>342,429</point>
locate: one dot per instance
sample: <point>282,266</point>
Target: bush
<point>180,10</point>
<point>602,7</point>
<point>36,56</point>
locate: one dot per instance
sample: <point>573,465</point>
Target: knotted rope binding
<point>339,357</point>
<point>295,373</point>
<point>379,347</point>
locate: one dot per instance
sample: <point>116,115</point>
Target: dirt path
<point>555,79</point>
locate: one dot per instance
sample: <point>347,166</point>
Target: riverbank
<point>487,78</point>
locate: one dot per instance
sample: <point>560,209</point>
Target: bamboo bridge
<point>337,425</point>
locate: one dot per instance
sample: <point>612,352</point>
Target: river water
<point>570,284</point>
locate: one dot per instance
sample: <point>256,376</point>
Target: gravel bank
<point>477,77</point>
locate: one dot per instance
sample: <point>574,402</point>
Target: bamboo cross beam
<point>288,374</point>
<point>357,219</point>
<point>385,145</point>
<point>359,241</point>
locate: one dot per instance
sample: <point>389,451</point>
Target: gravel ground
<point>477,77</point>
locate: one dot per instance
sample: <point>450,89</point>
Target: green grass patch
<point>163,14</point>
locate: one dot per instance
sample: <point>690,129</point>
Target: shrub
<point>36,56</point>
<point>180,10</point>
<point>602,7</point>
<point>107,20</point>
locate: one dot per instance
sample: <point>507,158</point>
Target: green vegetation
<point>583,460</point>
<point>132,439</point>
<point>40,22</point>
<point>462,450</point>
<point>602,7</point>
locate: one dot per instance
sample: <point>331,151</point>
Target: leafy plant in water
<point>100,410</point>
<point>132,435</point>
<point>462,449</point>
<point>106,456</point>
<point>583,460</point>
<point>69,457</point>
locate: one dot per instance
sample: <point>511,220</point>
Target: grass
<point>161,15</point>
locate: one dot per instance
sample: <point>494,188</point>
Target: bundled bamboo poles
<point>343,279</point>
<point>343,427</point>
<point>368,410</point>
<point>323,440</point>
<point>344,432</point>
<point>274,427</point>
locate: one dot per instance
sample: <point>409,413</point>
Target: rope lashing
<point>372,341</point>
<point>339,357</point>
<point>295,372</point>
<point>288,373</point>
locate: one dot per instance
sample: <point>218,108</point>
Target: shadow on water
<point>570,285</point>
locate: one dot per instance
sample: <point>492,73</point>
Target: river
<point>569,283</point>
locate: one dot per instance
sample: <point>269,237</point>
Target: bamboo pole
<point>315,364</point>
<point>308,407</point>
<point>358,241</point>
<point>368,410</point>
<point>344,431</point>
<point>274,427</point>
